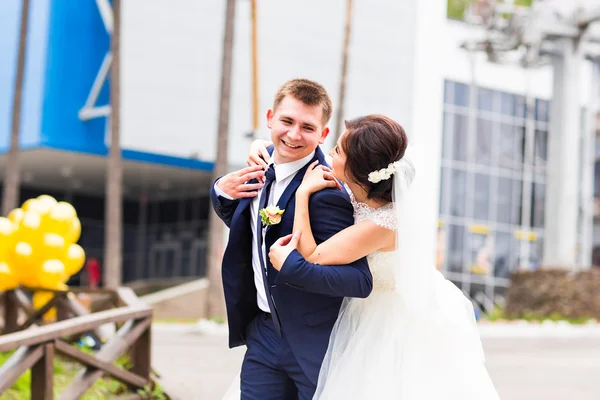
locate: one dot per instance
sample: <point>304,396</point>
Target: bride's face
<point>338,161</point>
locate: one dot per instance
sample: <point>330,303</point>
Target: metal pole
<point>527,174</point>
<point>113,246</point>
<point>215,300</point>
<point>344,71</point>
<point>560,244</point>
<point>587,171</point>
<point>255,94</point>
<point>12,174</point>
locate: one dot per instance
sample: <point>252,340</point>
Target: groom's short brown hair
<point>308,92</point>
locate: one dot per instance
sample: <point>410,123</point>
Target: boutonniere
<point>271,215</point>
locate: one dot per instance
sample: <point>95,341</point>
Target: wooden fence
<point>36,344</point>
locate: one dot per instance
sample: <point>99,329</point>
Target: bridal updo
<point>372,143</point>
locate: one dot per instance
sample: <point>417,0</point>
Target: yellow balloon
<point>74,259</point>
<point>51,274</point>
<point>74,232</point>
<point>8,278</point>
<point>7,237</point>
<point>52,246</point>
<point>22,255</point>
<point>48,201</point>
<point>28,229</point>
<point>64,208</point>
<point>42,208</point>
<point>25,262</point>
<point>40,299</point>
<point>16,215</point>
<point>31,205</point>
<point>60,218</point>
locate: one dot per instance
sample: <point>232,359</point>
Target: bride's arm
<point>353,243</point>
<point>344,247</point>
<point>316,178</point>
<point>307,244</point>
<point>347,245</point>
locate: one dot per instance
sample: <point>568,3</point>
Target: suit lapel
<point>297,180</point>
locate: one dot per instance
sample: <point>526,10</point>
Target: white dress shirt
<point>284,173</point>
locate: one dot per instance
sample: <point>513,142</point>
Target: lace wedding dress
<point>378,350</point>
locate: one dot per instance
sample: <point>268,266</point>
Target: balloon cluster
<point>38,245</point>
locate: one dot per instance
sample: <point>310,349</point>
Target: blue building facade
<point>66,44</point>
<point>165,197</point>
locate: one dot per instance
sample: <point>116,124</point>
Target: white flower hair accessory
<point>384,173</point>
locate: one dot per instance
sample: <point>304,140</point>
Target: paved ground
<point>200,366</point>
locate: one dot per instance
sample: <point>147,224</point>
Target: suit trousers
<point>270,369</point>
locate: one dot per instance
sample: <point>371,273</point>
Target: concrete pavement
<point>199,366</point>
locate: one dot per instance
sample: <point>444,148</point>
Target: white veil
<point>413,272</point>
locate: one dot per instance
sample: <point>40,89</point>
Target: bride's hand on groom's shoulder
<point>259,155</point>
<point>234,184</point>
<point>318,177</point>
<point>282,248</point>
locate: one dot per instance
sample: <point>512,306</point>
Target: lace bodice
<point>380,263</point>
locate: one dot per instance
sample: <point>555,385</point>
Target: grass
<point>497,315</point>
<point>64,372</point>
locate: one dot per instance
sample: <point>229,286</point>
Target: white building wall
<point>172,59</point>
<point>171,62</point>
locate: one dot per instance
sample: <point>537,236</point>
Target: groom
<point>284,318</point>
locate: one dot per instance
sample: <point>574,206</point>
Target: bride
<point>415,336</point>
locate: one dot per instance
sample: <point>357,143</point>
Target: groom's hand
<point>282,248</point>
<point>234,184</point>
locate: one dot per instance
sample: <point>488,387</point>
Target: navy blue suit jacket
<point>307,296</point>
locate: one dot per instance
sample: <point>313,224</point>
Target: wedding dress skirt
<point>379,351</point>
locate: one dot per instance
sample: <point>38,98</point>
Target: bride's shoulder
<point>383,216</point>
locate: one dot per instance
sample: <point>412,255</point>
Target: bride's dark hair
<point>371,143</point>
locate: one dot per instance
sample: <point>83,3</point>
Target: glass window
<point>508,201</point>
<point>443,188</point>
<point>503,257</point>
<point>481,248</point>
<point>482,197</point>
<point>447,138</point>
<point>510,146</point>
<point>520,107</point>
<point>538,204</point>
<point>456,244</point>
<point>486,99</point>
<point>538,252</point>
<point>461,94</point>
<point>448,86</point>
<point>458,193</point>
<point>542,108</point>
<point>597,179</point>
<point>459,137</point>
<point>535,254</point>
<point>541,147</point>
<point>483,142</point>
<point>507,103</point>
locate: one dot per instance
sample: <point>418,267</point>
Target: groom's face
<point>296,129</point>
